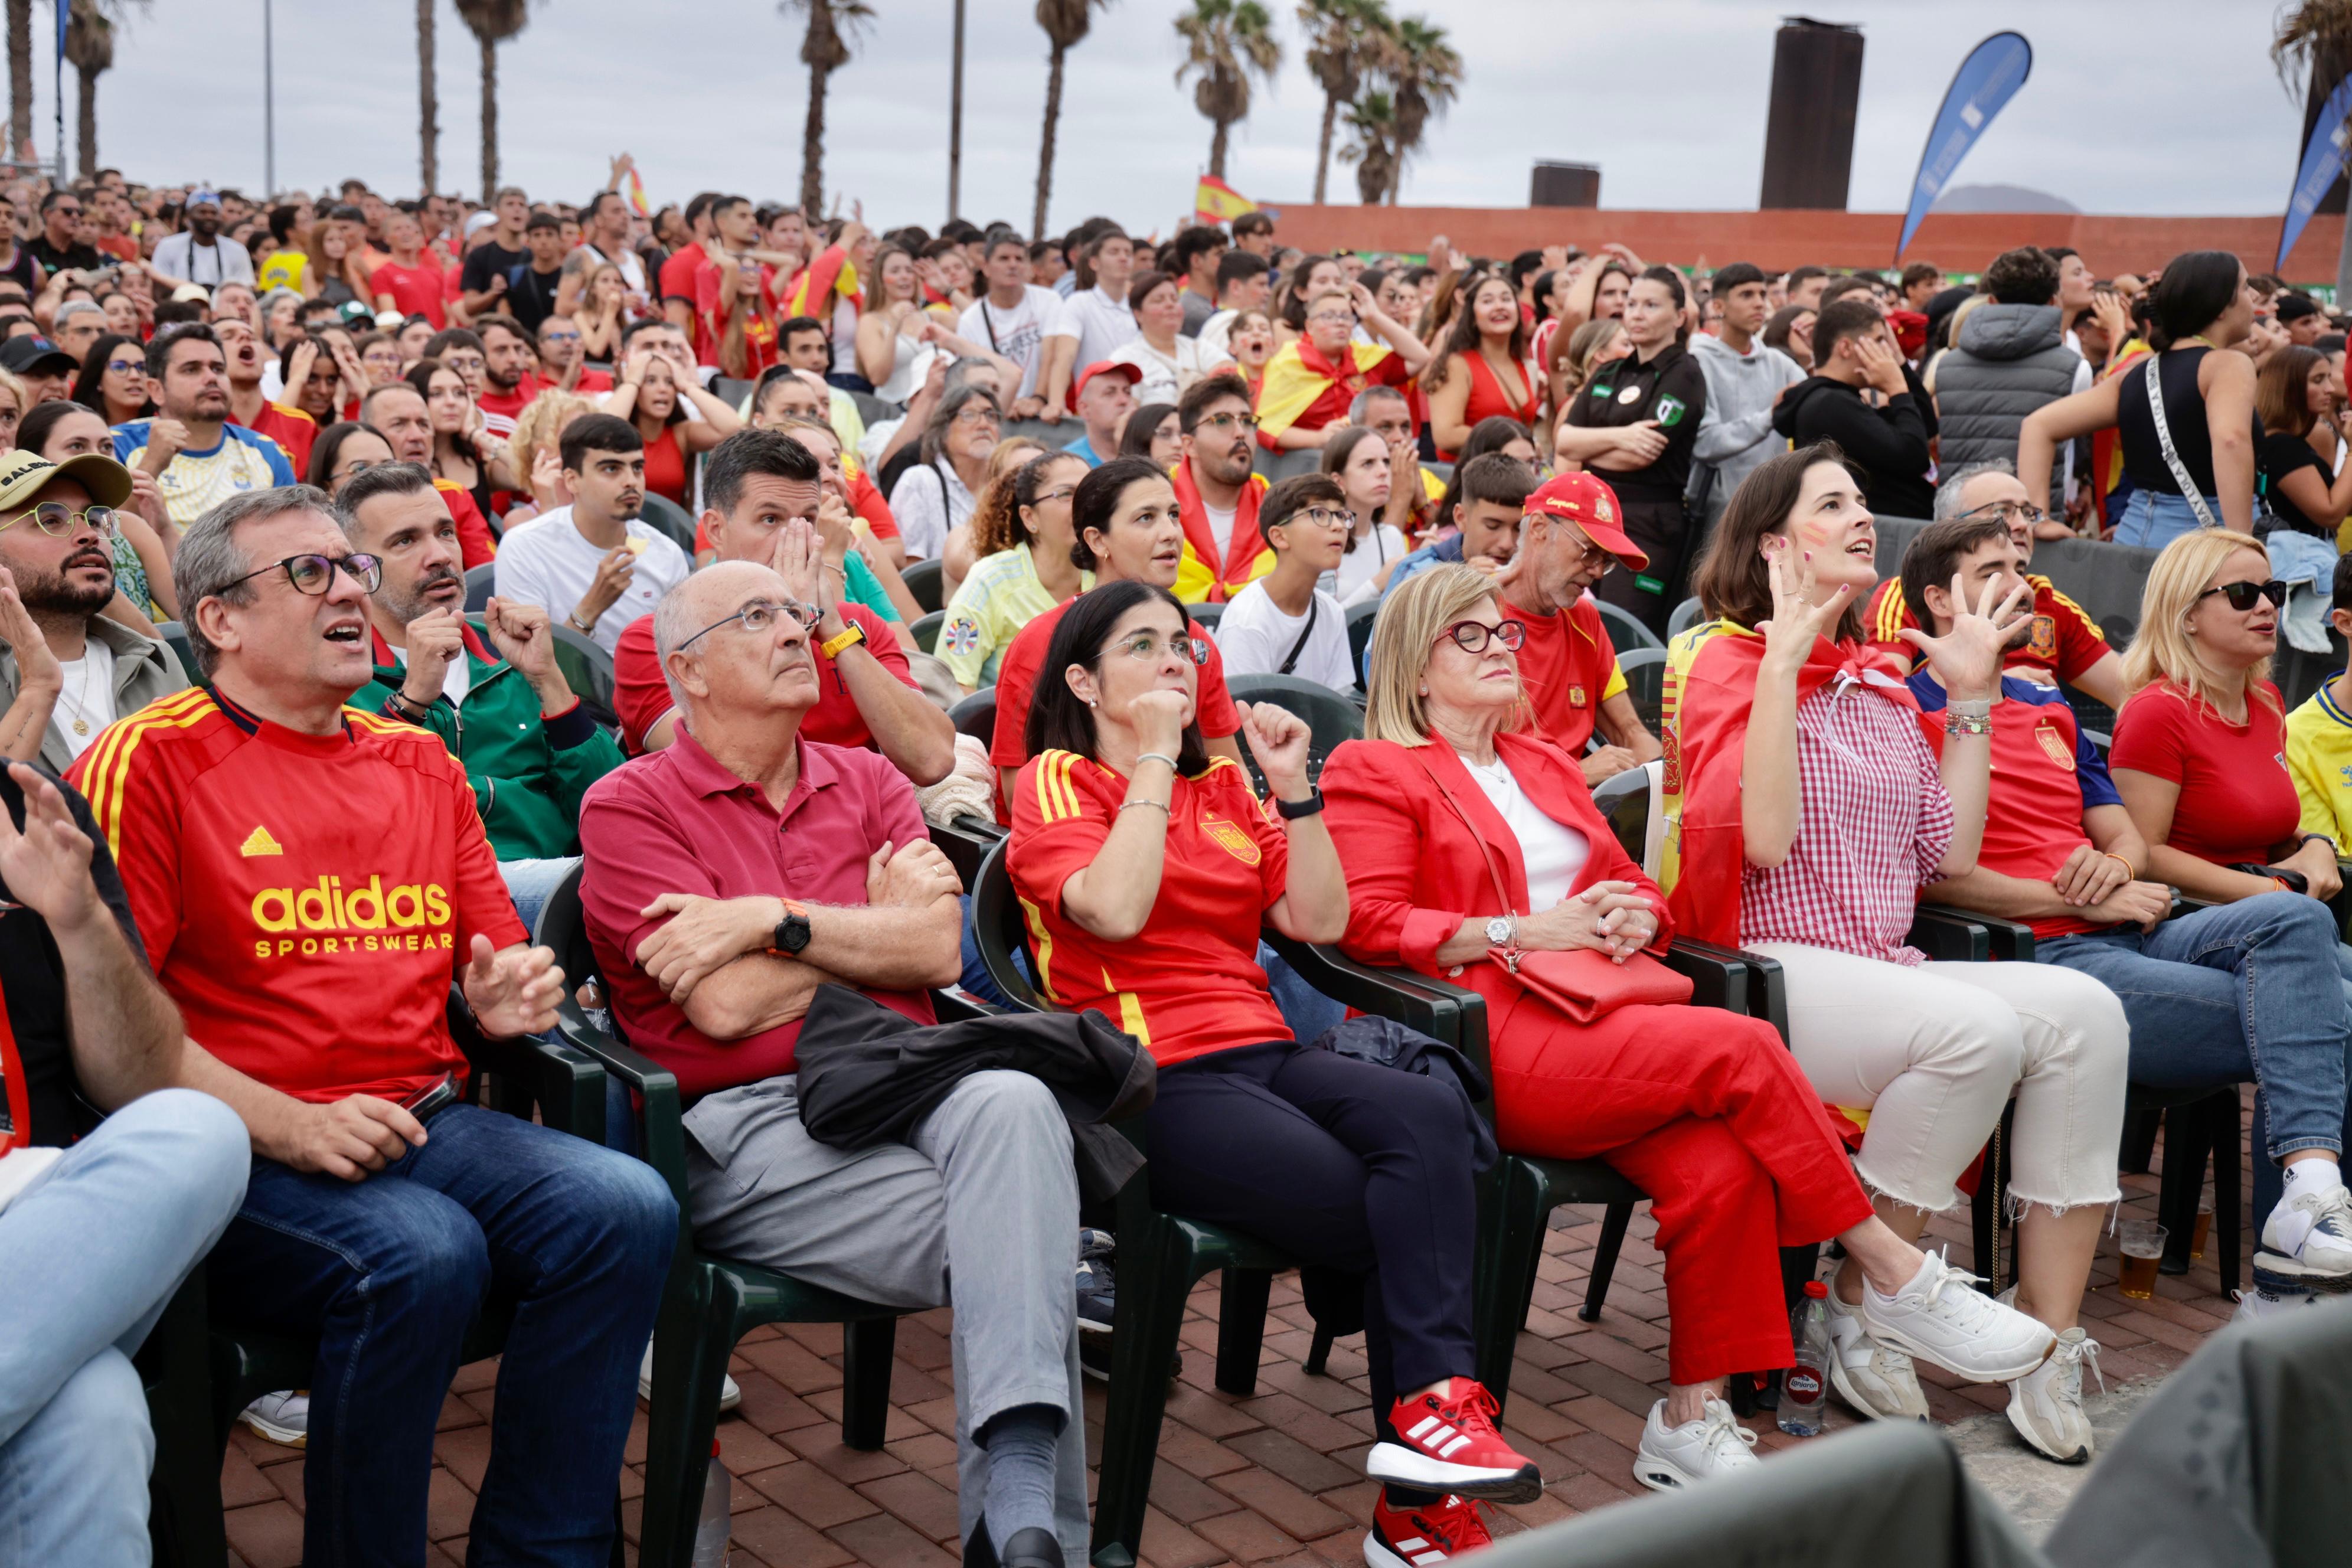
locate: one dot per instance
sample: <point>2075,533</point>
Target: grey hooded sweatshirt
<point>1736,435</point>
<point>2010,361</point>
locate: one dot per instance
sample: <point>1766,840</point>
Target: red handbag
<point>1584,985</point>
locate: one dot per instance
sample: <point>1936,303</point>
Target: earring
<point>1092,703</point>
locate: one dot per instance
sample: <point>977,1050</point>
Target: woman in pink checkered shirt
<point>1844,813</point>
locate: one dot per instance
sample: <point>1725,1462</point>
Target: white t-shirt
<point>1221,527</point>
<point>1099,322</point>
<point>1018,334</point>
<point>457,680</point>
<point>547,562</point>
<point>1254,637</point>
<point>1555,855</point>
<point>223,261</point>
<point>929,501</point>
<point>87,697</point>
<point>1353,581</point>
<point>1165,376</point>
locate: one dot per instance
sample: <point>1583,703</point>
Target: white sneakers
<point>1938,1317</point>
<point>1876,1380</point>
<point>283,1417</point>
<point>729,1395</point>
<point>2307,1242</point>
<point>1672,1458</point>
<point>2045,1405</point>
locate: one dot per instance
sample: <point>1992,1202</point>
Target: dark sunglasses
<point>2243,596</point>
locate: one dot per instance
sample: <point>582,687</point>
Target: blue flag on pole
<point>2322,162</point>
<point>1986,81</point>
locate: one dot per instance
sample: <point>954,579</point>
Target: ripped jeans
<point>1934,1054</point>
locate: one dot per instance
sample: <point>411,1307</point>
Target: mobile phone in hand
<point>432,1099</point>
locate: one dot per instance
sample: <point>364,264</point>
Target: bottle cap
<point>714,1448</point>
<point>1818,1289</point>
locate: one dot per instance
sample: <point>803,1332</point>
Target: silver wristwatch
<point>1502,931</point>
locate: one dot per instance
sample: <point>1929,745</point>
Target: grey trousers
<point>980,1213</point>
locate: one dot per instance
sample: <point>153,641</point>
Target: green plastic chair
<point>923,580</point>
<point>176,635</point>
<point>926,630</point>
<point>976,715</point>
<point>1686,615</point>
<point>710,1302</point>
<point>1360,618</point>
<point>673,519</point>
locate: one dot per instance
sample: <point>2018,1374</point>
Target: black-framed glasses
<point>1149,646</point>
<point>1320,516</point>
<point>1471,637</point>
<point>314,573</point>
<point>53,517</point>
<point>759,615</point>
<point>2023,511</point>
<point>2243,596</point>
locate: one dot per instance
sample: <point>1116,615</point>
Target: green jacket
<point>528,772</point>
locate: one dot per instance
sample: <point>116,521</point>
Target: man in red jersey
<point>292,429</point>
<point>309,880</point>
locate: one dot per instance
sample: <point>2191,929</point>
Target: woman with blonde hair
<point>1590,347</point>
<point>538,431</point>
<point>1473,851</point>
<point>599,312</point>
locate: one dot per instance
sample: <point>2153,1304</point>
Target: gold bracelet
<point>2130,871</point>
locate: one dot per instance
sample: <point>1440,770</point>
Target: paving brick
<point>1186,1498</point>
<point>268,1535</point>
<point>242,1482</point>
<point>1168,1544</point>
<point>886,1542</point>
<point>921,1501</point>
<point>776,1537</point>
<point>1293,1460</point>
<point>1246,1537</point>
<point>811,1495</point>
<point>1297,1513</point>
<point>467,1451</point>
<point>795,1365</point>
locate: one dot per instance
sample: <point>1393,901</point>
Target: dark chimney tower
<point>1808,135</point>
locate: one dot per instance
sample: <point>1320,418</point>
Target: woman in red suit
<point>1705,1110</point>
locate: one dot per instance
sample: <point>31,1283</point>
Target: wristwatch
<point>1502,931</point>
<point>793,932</point>
<point>850,638</point>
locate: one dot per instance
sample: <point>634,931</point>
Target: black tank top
<point>2184,416</point>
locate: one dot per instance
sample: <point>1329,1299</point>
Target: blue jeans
<point>2156,521</point>
<point>88,1254</point>
<point>388,1272</point>
<point>2257,990</point>
<point>531,883</point>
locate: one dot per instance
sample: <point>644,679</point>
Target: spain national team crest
<point>2043,644</point>
<point>1601,510</point>
<point>1232,838</point>
<point>1576,696</point>
<point>2054,743</point>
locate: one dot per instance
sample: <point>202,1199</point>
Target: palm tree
<point>1426,74</point>
<point>428,103</point>
<point>492,23</point>
<point>2315,41</point>
<point>1067,23</point>
<point>1372,120</point>
<point>824,50</point>
<point>89,49</point>
<point>20,77</point>
<point>1226,41</point>
<point>1347,41</point>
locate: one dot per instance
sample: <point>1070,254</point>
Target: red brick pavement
<point>1277,1479</point>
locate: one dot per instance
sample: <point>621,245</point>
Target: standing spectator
<point>561,362</point>
<point>1194,257</point>
<point>604,242</point>
<point>78,324</point>
<point>357,1231</point>
<point>2301,318</point>
<point>291,428</point>
<point>1104,397</point>
<point>483,282</point>
<point>1745,381</point>
<point>2294,399</point>
<point>735,292</point>
<point>197,457</point>
<point>595,564</point>
<point>1482,371</point>
<point>409,281</point>
<point>1282,623</point>
<point>674,277</point>
<point>1888,440</point>
<point>1922,282</point>
<point>198,253</point>
<point>2009,360</point>
<point>1636,423</point>
<point>1254,232</point>
<point>1012,317</point>
<point>1171,362</point>
<point>1096,317</point>
<point>531,287</point>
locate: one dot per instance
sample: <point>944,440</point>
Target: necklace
<point>81,721</point>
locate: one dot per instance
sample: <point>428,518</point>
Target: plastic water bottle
<point>1803,1390</point>
<point>711,1533</point>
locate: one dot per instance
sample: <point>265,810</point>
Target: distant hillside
<point>2000,199</point>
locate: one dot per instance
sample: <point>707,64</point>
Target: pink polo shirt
<point>675,821</point>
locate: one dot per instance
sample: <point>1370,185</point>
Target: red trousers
<point>1706,1113</point>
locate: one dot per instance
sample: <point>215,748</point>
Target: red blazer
<point>1414,874</point>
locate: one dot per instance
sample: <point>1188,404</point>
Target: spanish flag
<point>1299,374</point>
<point>1217,202</point>
<point>637,195</point>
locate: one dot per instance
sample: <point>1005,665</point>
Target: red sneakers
<point>1446,1442</point>
<point>1423,1537</point>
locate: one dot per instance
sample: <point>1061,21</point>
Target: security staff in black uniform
<point>1635,425</point>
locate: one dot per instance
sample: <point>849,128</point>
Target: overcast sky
<point>2154,106</point>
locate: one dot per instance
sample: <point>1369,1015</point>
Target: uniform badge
<point>1576,697</point>
<point>1669,411</point>
<point>1600,390</point>
<point>961,635</point>
<point>1630,396</point>
<point>2043,646</point>
<point>1601,510</point>
<point>2054,744</point>
<point>1234,840</point>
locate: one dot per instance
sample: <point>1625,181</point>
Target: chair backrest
<point>1360,618</point>
<point>563,929</point>
<point>587,668</point>
<point>926,630</point>
<point>998,929</point>
<point>480,581</point>
<point>1207,616</point>
<point>673,519</point>
<point>976,715</point>
<point>1645,669</point>
<point>1330,718</point>
<point>1686,615</point>
<point>922,580</point>
<point>1624,630</point>
<point>176,637</point>
<point>1629,800</point>
<point>873,410</point>
<point>731,390</point>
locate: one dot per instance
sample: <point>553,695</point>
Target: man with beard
<point>62,686</point>
<point>1217,493</point>
<point>508,385</point>
<point>197,458</point>
<point>395,411</point>
<point>528,746</point>
<point>292,429</point>
<point>595,564</point>
<point>560,363</point>
<point>200,255</point>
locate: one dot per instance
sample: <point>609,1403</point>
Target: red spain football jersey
<point>305,899</point>
<point>2065,641</point>
<point>1568,668</point>
<point>1188,983</point>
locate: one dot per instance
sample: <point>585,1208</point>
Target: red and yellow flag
<point>1217,202</point>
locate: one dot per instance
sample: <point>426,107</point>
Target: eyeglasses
<point>1224,423</point>
<point>758,615</point>
<point>2243,596</point>
<point>2023,511</point>
<point>975,415</point>
<point>314,573</point>
<point>1059,492</point>
<point>1149,646</point>
<point>1471,637</point>
<point>54,517</point>
<point>560,337</point>
<point>1591,553</point>
<point>126,366</point>
<point>355,466</point>
<point>1321,516</point>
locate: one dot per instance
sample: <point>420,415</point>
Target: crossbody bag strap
<point>1494,871</point>
<point>2180,475</point>
<point>1313,610</point>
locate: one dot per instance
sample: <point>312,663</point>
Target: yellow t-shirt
<point>2319,760</point>
<point>1001,595</point>
<point>284,270</point>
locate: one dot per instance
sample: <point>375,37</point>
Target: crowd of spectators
<point>374,574</point>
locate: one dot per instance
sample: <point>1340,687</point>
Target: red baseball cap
<point>1592,506</point>
<point>1127,367</point>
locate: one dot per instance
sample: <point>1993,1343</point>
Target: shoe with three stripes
<point>1423,1537</point>
<point>1446,1442</point>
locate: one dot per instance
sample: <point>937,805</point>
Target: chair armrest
<point>1453,1014</point>
<point>966,842</point>
<point>2011,941</point>
<point>1719,977</point>
<point>661,1131</point>
<point>1949,936</point>
<point>565,1084</point>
